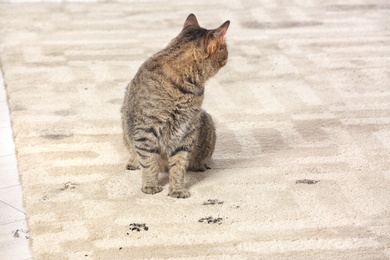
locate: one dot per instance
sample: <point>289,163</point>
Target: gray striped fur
<point>164,125</point>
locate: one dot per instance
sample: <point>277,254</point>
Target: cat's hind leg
<point>199,167</point>
<point>132,164</point>
<point>204,144</point>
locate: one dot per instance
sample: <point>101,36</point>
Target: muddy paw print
<point>138,227</point>
<point>20,233</point>
<point>211,220</point>
<point>306,181</point>
<point>212,202</point>
<point>68,186</point>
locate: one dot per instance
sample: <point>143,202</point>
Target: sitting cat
<point>163,122</point>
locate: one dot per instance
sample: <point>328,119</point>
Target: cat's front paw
<point>180,194</point>
<point>151,189</point>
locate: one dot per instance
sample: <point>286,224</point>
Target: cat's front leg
<point>178,163</point>
<point>150,169</point>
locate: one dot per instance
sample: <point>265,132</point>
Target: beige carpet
<point>302,164</point>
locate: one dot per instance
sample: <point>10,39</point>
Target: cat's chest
<point>185,109</point>
<point>179,121</point>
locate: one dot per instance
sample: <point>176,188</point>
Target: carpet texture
<point>302,164</point>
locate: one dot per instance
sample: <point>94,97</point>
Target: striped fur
<point>163,123</point>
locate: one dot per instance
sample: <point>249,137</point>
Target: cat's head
<point>208,46</point>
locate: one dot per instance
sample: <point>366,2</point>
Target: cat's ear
<point>191,21</point>
<point>215,37</point>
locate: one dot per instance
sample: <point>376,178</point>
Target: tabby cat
<point>163,123</point>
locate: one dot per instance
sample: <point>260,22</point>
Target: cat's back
<point>149,76</point>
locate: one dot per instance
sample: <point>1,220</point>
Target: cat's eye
<point>221,48</point>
